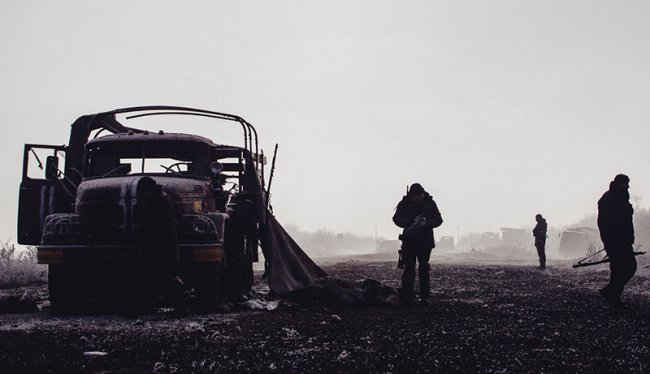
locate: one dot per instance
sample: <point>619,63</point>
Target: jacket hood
<point>427,197</point>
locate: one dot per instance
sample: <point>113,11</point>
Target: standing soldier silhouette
<point>159,255</point>
<point>418,215</point>
<point>617,233</point>
<point>539,232</point>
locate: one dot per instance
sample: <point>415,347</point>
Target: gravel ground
<point>483,318</point>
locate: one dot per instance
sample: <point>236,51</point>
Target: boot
<point>611,298</point>
<point>180,296</point>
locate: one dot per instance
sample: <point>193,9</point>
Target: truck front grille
<point>102,221</point>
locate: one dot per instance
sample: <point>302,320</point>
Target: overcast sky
<point>501,109</point>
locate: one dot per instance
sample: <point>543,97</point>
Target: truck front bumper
<point>62,254</point>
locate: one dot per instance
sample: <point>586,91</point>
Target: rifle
<point>419,223</point>
<point>268,188</point>
<point>400,259</point>
<point>588,262</point>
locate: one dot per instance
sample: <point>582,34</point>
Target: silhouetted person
<point>617,233</point>
<point>418,215</point>
<point>221,196</point>
<point>159,253</point>
<point>539,232</point>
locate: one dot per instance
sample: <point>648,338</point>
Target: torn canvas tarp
<point>292,274</point>
<point>288,266</point>
<point>337,292</point>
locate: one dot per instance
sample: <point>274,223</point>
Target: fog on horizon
<point>501,110</point>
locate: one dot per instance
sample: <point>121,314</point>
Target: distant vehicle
<point>516,238</point>
<point>446,242</point>
<point>509,239</point>
<point>487,240</point>
<point>389,246</point>
<point>579,241</point>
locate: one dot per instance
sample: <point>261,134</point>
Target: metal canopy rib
<point>250,134</point>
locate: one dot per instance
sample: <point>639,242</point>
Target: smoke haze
<point>500,109</point>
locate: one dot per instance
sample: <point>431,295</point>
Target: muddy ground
<point>483,318</point>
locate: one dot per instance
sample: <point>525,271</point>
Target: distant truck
<point>389,246</point>
<point>515,238</point>
<point>445,243</point>
<point>86,217</point>
<point>509,239</point>
<point>579,242</point>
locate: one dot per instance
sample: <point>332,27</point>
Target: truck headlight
<point>199,227</point>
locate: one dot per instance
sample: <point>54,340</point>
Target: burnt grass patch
<point>482,318</point>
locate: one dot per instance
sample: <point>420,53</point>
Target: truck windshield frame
<point>170,158</point>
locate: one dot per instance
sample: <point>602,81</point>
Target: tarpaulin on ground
<point>288,266</point>
<point>291,273</point>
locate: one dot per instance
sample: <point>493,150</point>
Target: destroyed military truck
<point>86,214</point>
<point>579,241</point>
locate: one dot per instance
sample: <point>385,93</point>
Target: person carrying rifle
<point>617,233</point>
<point>418,214</point>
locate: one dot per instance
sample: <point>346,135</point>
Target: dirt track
<point>484,318</point>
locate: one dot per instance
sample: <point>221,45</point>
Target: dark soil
<point>483,318</point>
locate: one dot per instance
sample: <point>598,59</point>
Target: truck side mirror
<point>52,168</point>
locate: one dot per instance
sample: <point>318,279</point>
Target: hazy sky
<point>501,109</point>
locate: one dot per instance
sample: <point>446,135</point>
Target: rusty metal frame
<point>250,134</point>
<point>29,147</point>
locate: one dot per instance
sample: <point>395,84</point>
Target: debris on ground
<point>481,318</point>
